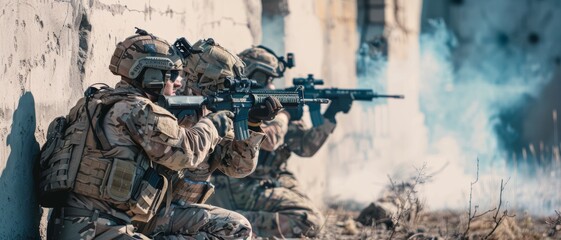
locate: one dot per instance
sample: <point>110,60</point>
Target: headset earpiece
<point>153,79</point>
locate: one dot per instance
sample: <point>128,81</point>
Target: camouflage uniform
<point>173,147</point>
<point>233,158</point>
<point>270,198</point>
<point>136,126</point>
<point>205,73</point>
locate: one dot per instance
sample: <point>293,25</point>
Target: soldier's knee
<point>231,225</point>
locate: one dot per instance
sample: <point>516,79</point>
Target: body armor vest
<point>77,157</point>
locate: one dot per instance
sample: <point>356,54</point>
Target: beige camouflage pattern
<point>275,131</point>
<point>270,198</point>
<point>299,139</point>
<point>274,211</point>
<point>235,158</point>
<point>206,71</point>
<point>138,52</point>
<point>89,227</point>
<point>142,123</point>
<point>137,122</point>
<point>258,59</point>
<point>198,221</point>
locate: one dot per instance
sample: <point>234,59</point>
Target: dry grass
<point>445,224</point>
<point>406,220</point>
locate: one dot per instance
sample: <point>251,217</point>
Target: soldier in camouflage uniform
<point>205,73</point>
<point>270,198</point>
<point>117,155</point>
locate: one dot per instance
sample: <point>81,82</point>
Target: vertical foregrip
<point>241,130</point>
<point>315,114</point>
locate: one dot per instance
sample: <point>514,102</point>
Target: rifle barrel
<point>389,96</point>
<point>315,100</point>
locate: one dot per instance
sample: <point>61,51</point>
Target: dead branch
<point>408,202</point>
<point>471,216</point>
<point>496,218</point>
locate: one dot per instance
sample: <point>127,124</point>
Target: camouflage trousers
<point>196,221</point>
<point>275,208</point>
<point>77,223</point>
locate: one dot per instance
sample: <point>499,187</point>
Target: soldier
<point>113,159</point>
<point>205,73</point>
<point>270,198</point>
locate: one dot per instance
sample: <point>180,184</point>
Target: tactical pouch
<point>121,180</point>
<point>92,176</point>
<point>111,180</point>
<point>147,199</point>
<point>53,163</point>
<point>187,191</point>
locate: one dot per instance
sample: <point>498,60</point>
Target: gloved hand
<point>266,111</point>
<point>223,122</point>
<point>337,105</point>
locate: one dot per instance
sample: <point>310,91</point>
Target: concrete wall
<point>50,51</point>
<point>323,37</point>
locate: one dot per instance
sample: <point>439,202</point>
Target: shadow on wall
<point>19,210</point>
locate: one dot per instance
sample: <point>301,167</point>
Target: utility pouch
<point>54,162</point>
<point>187,191</point>
<point>92,176</point>
<point>54,141</point>
<point>121,180</point>
<point>147,198</point>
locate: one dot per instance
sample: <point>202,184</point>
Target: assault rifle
<point>238,98</point>
<point>311,92</point>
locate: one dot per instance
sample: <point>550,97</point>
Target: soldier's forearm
<point>239,157</point>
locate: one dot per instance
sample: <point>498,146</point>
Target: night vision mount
<point>283,63</point>
<point>185,48</point>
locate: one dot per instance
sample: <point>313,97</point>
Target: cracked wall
<point>52,50</point>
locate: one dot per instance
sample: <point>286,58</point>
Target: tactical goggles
<point>173,74</point>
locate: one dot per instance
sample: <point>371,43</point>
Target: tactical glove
<point>223,122</point>
<point>337,105</point>
<point>266,111</point>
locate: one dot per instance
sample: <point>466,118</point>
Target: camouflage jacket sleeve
<point>274,131</point>
<point>304,141</point>
<point>238,158</point>
<point>165,142</point>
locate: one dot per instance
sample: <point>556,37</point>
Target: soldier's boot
<point>285,224</point>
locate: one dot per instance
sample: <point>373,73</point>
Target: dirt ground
<point>342,224</point>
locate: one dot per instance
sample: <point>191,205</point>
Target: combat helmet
<point>146,61</point>
<point>206,71</point>
<point>262,64</point>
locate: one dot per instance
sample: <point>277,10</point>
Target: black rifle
<point>311,92</point>
<point>238,98</point>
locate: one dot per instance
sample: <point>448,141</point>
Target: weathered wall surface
<point>379,139</point>
<point>50,51</point>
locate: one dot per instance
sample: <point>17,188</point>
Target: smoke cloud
<point>463,95</point>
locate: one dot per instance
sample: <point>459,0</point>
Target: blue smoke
<point>466,91</point>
